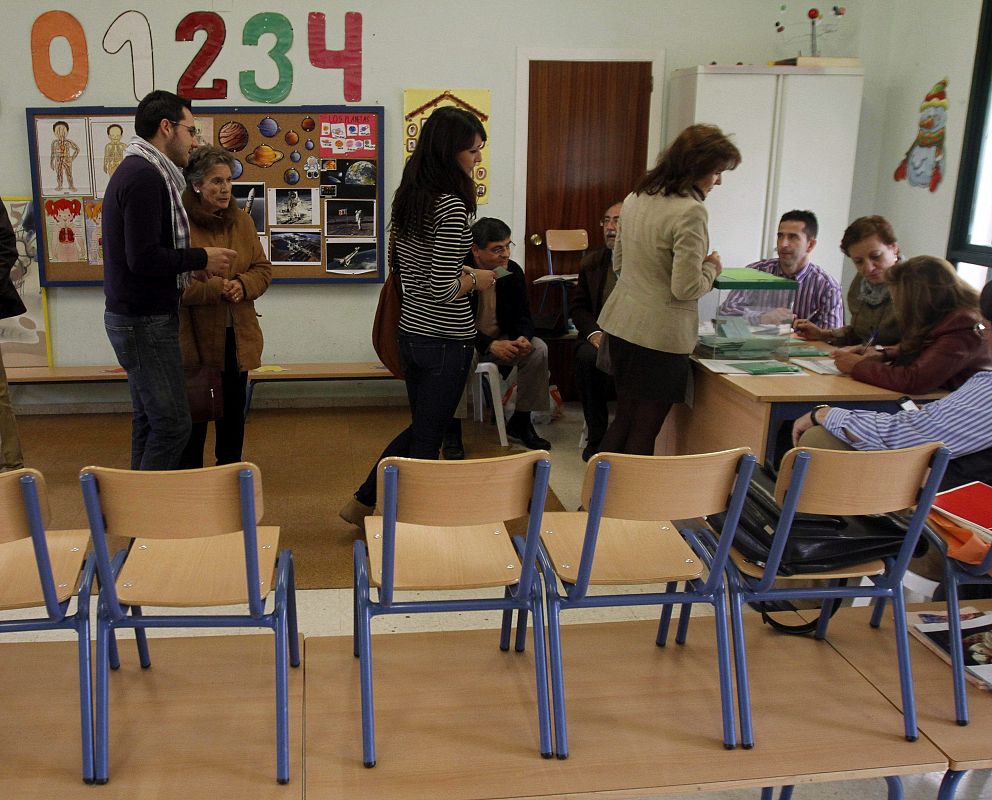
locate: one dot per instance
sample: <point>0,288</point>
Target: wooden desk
<point>748,410</point>
<point>966,747</point>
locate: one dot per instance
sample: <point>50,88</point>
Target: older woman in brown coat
<point>218,326</point>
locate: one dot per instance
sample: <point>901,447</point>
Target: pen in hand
<point>870,342</point>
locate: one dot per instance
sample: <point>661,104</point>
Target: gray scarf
<point>175,181</point>
<point>872,294</point>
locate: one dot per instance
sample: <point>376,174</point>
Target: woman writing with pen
<point>944,338</point>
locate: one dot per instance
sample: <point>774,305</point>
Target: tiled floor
<point>328,612</point>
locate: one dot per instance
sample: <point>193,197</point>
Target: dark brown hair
<point>863,227</point>
<point>433,169</point>
<point>925,289</point>
<point>696,152</point>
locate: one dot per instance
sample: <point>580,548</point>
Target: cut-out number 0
<point>280,27</point>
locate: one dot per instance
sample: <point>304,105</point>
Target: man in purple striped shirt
<point>818,299</point>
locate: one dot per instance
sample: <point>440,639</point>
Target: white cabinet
<point>797,130</point>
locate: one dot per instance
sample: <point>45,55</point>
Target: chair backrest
<point>14,522</point>
<point>665,487</point>
<point>471,492</point>
<point>177,504</point>
<point>564,240</point>
<point>854,482</point>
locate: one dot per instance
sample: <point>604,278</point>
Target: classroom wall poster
<point>419,104</point>
<point>24,339</point>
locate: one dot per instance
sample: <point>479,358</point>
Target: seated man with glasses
<point>596,281</point>
<point>505,335</point>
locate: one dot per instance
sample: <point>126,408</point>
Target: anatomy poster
<point>419,104</point>
<point>63,155</point>
<point>108,136</point>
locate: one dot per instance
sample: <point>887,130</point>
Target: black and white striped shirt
<point>429,269</point>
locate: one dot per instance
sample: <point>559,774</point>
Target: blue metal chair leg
<point>541,673</point>
<point>877,612</point>
<point>957,649</point>
<point>521,641</point>
<point>683,629</point>
<point>949,784</point>
<point>740,665</point>
<point>282,695</point>
<point>86,697</point>
<point>894,783</point>
<point>724,670</point>
<point>291,619</point>
<point>102,744</point>
<point>666,618</point>
<point>141,639</point>
<point>506,624</point>
<point>557,679</point>
<point>905,665</point>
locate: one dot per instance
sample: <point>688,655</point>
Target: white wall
<point>906,46</point>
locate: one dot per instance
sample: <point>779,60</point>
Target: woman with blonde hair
<point>651,319</point>
<point>944,339</point>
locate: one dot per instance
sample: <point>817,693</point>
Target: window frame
<point>959,249</point>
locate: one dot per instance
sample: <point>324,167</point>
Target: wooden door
<point>586,147</point>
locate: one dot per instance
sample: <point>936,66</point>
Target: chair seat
<point>627,551</point>
<point>752,570</point>
<point>429,557</point>
<point>206,571</point>
<point>20,586</point>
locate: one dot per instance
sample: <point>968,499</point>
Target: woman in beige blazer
<point>661,256</point>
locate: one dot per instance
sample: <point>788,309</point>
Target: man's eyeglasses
<point>502,250</point>
<point>608,220</point>
<point>193,130</point>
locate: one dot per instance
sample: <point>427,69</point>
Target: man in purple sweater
<point>147,262</point>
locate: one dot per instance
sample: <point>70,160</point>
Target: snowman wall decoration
<point>923,164</point>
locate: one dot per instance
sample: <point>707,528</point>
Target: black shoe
<point>452,450</point>
<point>589,451</point>
<point>451,446</point>
<point>525,434</point>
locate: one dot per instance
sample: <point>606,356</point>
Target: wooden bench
<point>318,371</point>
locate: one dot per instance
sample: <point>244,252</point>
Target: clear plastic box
<point>747,315</point>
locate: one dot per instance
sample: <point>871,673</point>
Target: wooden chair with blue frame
<point>627,537</point>
<point>39,568</point>
<point>194,543</point>
<point>442,528</point>
<point>958,573</point>
<point>562,240</point>
<point>847,483</point>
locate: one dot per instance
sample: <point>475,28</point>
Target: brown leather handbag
<point>386,325</point>
<point>205,393</point>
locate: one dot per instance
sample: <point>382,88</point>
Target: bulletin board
<point>309,176</point>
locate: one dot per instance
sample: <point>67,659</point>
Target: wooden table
<point>748,410</point>
<point>966,747</point>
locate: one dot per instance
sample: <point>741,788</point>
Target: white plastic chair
<point>487,370</point>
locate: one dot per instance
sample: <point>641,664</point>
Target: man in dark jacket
<point>505,335</point>
<point>596,281</point>
<point>10,306</point>
<point>147,261</point>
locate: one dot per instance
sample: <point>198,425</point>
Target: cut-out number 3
<point>281,28</point>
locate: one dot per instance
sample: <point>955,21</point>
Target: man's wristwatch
<point>812,414</point>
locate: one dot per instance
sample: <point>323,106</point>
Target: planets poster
<point>287,162</point>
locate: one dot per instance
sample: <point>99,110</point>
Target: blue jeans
<point>436,370</point>
<point>148,350</point>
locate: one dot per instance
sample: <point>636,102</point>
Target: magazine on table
<point>931,628</point>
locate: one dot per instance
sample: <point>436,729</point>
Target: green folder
<point>767,367</point>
